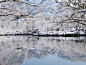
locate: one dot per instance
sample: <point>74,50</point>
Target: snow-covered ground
<point>18,17</point>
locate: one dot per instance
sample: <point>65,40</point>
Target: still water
<point>28,50</point>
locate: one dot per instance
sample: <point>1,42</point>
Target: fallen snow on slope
<point>18,17</point>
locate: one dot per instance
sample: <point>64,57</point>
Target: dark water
<point>26,50</point>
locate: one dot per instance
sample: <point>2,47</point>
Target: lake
<point>34,50</point>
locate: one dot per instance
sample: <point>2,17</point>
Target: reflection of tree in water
<point>80,41</point>
<point>66,48</point>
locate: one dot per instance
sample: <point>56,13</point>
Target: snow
<point>61,32</point>
<point>50,20</point>
<point>81,32</point>
<point>71,32</point>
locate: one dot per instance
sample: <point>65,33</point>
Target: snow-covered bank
<point>18,17</point>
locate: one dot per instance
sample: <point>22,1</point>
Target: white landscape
<point>19,17</point>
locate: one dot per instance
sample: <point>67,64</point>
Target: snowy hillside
<point>18,17</point>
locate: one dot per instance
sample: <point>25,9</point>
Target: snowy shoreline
<point>46,35</point>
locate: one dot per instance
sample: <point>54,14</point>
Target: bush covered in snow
<point>20,17</point>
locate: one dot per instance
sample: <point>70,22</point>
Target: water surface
<point>28,50</point>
